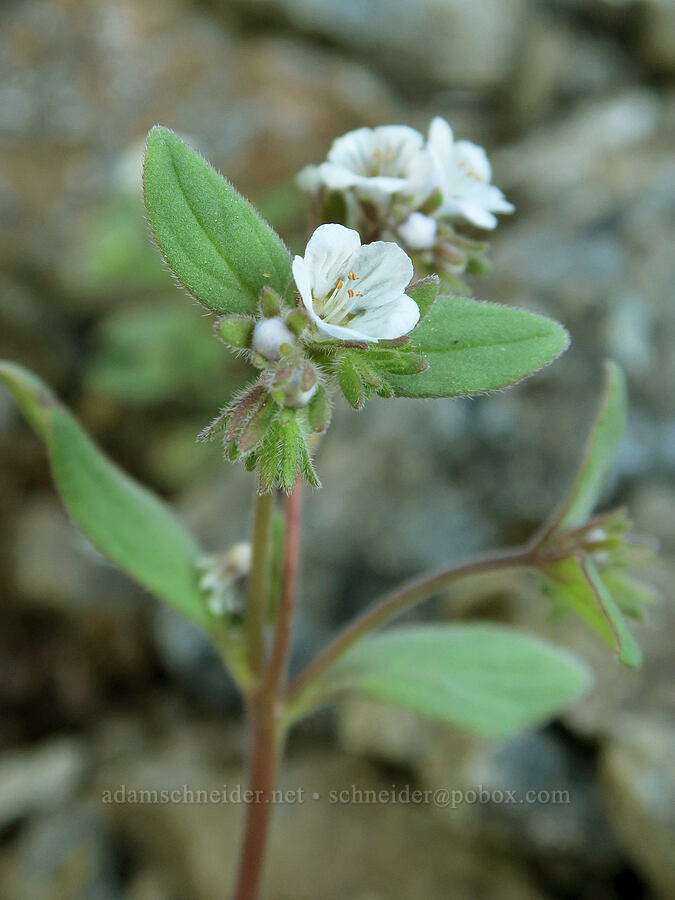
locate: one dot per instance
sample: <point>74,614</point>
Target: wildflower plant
<point>366,310</point>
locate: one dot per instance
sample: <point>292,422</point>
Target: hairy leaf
<point>474,347</point>
<point>483,678</point>
<point>213,240</point>
<point>122,519</point>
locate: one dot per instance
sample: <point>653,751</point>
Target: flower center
<point>339,307</point>
<point>468,171</point>
<point>383,161</point>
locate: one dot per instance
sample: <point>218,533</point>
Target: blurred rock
<point>41,778</point>
<point>68,856</point>
<point>387,849</point>
<point>638,775</point>
<point>384,733</point>
<point>562,827</point>
<point>658,35</point>
<point>192,659</point>
<point>450,42</point>
<point>566,834</point>
<point>55,567</point>
<point>555,157</point>
<point>563,64</point>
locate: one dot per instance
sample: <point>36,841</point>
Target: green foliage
<point>235,331</point>
<point>114,253</point>
<point>473,347</point>
<point>212,239</point>
<point>483,678</point>
<point>601,446</point>
<point>158,352</point>
<point>319,411</point>
<point>588,559</point>
<point>424,293</point>
<point>578,586</point>
<point>350,381</point>
<point>123,520</point>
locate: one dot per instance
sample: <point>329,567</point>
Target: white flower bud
<point>294,395</point>
<point>269,335</point>
<point>418,231</point>
<point>237,560</point>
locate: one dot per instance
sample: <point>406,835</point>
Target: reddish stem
<point>401,599</point>
<point>265,714</point>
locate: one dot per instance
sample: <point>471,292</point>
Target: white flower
<point>418,231</point>
<point>463,174</point>
<point>377,161</point>
<point>269,335</point>
<point>354,292</point>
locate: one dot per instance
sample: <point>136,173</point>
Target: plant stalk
<point>397,602</point>
<point>258,582</point>
<point>265,708</point>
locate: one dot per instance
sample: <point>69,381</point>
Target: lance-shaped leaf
<point>474,347</point>
<point>603,441</point>
<point>213,240</point>
<point>577,585</point>
<point>483,678</point>
<point>122,519</point>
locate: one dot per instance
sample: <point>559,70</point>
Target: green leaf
<point>630,595</point>
<point>601,446</point>
<point>350,382</point>
<point>123,520</point>
<point>236,331</point>
<point>289,454</point>
<point>484,678</point>
<point>424,293</point>
<point>212,239</point>
<point>474,347</point>
<point>319,411</point>
<point>579,587</point>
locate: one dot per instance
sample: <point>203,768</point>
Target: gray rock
<point>54,566</point>
<point>638,774</point>
<point>554,815</point>
<point>69,856</point>
<point>386,849</point>
<point>451,42</point>
<point>192,659</point>
<point>41,778</point>
<point>658,35</point>
<point>555,157</point>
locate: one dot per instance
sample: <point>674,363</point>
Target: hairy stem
<point>265,714</point>
<point>258,582</point>
<point>399,601</point>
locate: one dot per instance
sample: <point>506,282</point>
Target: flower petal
<point>390,321</point>
<point>303,283</point>
<point>418,231</point>
<point>470,210</point>
<point>302,280</point>
<point>328,256</point>
<point>441,140</point>
<point>472,158</point>
<point>384,271</point>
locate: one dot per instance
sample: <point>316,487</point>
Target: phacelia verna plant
<point>366,310</point>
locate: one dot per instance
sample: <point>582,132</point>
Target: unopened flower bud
<point>300,387</point>
<point>418,231</point>
<point>269,335</point>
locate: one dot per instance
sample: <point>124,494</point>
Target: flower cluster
<point>389,183</point>
<point>347,297</point>
<point>344,320</point>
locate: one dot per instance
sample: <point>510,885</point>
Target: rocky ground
<point>575,103</point>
